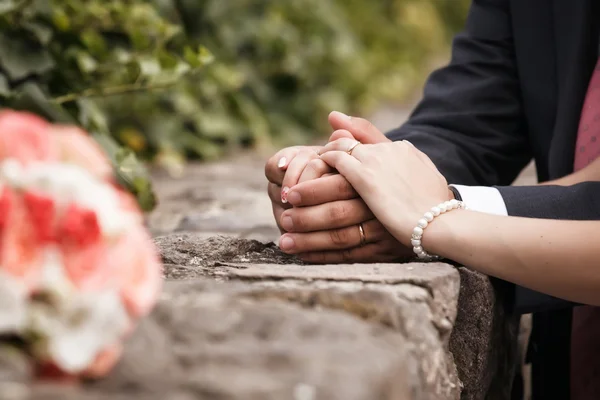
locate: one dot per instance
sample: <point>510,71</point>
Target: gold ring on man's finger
<point>361,232</point>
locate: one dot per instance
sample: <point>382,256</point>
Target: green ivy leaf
<point>86,62</point>
<point>61,20</point>
<point>131,173</point>
<point>4,86</point>
<point>7,6</point>
<point>22,58</point>
<point>205,56</point>
<point>42,32</point>
<point>149,66</point>
<point>94,42</point>
<point>30,96</point>
<point>191,57</point>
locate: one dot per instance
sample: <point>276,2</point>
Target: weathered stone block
<point>240,320</point>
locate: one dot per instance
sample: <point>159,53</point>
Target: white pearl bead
<point>418,231</point>
<point>436,211</point>
<point>418,249</point>
<point>448,205</point>
<point>415,242</point>
<point>422,223</point>
<point>428,216</point>
<point>422,255</point>
<point>454,203</point>
<point>442,207</point>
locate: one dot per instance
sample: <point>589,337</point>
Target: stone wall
<point>239,320</point>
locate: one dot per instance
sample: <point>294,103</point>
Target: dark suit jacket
<point>514,91</point>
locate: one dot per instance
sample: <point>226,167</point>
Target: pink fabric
<point>588,135</point>
<point>585,334</point>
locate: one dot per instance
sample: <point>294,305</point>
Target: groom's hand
<point>323,225</point>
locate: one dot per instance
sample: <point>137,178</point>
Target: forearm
<point>550,256</point>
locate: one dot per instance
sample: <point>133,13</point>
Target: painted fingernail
<point>284,194</point>
<point>282,162</point>
<point>294,198</point>
<point>287,223</point>
<point>286,243</point>
<point>341,114</point>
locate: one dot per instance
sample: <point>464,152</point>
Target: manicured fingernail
<point>287,223</point>
<point>282,162</point>
<point>409,143</point>
<point>294,197</point>
<point>341,114</point>
<point>284,194</point>
<point>286,243</point>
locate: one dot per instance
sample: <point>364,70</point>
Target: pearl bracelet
<point>417,234</point>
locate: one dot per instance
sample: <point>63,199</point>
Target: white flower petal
<point>13,298</point>
<point>67,183</point>
<point>89,325</point>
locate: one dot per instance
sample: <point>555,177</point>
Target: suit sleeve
<point>577,202</point>
<point>470,120</point>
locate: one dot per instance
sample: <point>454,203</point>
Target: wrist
<point>424,224</point>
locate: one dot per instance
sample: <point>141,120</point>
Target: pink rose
<point>77,147</point>
<point>27,137</point>
<point>24,137</point>
<point>20,251</point>
<point>142,276</point>
<point>104,362</point>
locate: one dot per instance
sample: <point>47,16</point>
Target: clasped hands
<point>336,207</point>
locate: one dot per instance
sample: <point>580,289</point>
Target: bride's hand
<point>398,182</point>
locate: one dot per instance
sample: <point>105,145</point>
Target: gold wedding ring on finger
<point>351,149</point>
<point>361,232</point>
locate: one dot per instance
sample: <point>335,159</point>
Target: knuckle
<point>346,255</point>
<point>307,152</point>
<point>339,211</point>
<point>363,123</point>
<point>312,194</point>
<point>299,220</point>
<point>316,164</point>
<point>317,258</point>
<point>272,189</point>
<point>339,237</point>
<point>344,187</point>
<point>269,166</point>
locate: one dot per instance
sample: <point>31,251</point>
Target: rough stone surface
<point>240,322</point>
<point>233,326</point>
<point>483,341</point>
<point>484,336</point>
<point>227,197</point>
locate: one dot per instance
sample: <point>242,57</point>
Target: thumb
<point>360,128</point>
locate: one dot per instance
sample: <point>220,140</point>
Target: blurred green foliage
<point>139,74</point>
<point>281,67</point>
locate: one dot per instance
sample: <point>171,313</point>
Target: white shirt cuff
<point>483,199</point>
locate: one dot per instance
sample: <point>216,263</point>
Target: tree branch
<point>112,91</point>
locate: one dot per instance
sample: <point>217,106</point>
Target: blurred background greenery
<point>172,80</point>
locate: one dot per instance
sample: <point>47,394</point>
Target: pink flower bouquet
<point>77,267</point>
